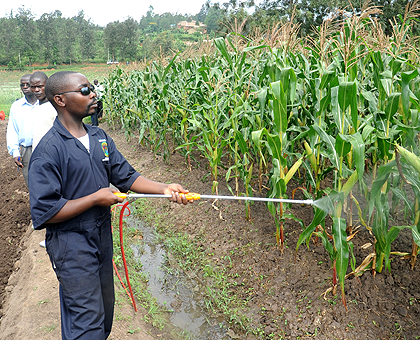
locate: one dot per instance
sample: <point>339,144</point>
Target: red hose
<point>113,262</point>
<point>119,277</point>
<point>130,294</point>
<point>123,255</point>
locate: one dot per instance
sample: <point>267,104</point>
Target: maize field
<point>274,111</point>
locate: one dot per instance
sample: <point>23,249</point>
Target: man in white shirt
<point>19,127</point>
<point>45,113</point>
<point>98,113</point>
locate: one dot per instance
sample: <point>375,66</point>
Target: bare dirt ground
<point>284,293</point>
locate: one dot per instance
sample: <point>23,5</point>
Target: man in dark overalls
<point>69,177</point>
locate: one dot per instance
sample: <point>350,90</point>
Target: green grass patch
<point>49,329</point>
<point>154,313</point>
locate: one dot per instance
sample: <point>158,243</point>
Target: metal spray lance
<point>194,196</point>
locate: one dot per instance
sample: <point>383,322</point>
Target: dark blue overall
<point>80,249</point>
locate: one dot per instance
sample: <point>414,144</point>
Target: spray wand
<point>194,196</point>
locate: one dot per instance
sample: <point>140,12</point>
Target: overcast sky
<point>104,12</point>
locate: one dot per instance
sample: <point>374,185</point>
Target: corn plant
<point>209,123</point>
<point>411,176</point>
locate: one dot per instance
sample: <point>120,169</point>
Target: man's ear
<point>59,100</point>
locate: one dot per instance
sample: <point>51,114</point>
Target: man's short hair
<point>38,75</point>
<point>26,75</point>
<point>56,84</point>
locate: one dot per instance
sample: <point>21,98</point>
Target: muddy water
<point>172,291</point>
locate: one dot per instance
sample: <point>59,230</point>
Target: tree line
<point>55,39</point>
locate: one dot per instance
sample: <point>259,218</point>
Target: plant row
<point>342,106</point>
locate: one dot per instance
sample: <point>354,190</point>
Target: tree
<point>148,23</point>
<point>201,16</point>
<point>86,35</point>
<point>111,38</point>
<point>395,9</point>
<point>129,41</point>
<point>215,14</point>
<point>163,44</point>
<point>9,35</point>
<point>68,32</point>
<point>27,36</point>
<point>310,13</point>
<point>49,38</point>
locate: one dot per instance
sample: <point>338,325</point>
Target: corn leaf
<point>406,77</point>
<point>319,217</point>
<point>279,108</point>
<point>330,144</point>
<point>342,249</point>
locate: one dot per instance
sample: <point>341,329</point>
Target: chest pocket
<point>107,166</point>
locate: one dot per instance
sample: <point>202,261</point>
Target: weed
<point>132,331</point>
<point>333,301</point>
<point>49,328</point>
<point>43,301</point>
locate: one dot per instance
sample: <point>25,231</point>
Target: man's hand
<point>146,186</point>
<point>105,197</point>
<point>17,162</point>
<point>174,190</point>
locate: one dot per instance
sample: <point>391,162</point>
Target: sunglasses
<point>84,90</point>
<point>25,85</point>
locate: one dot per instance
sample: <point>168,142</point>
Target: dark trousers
<point>94,118</point>
<point>98,114</point>
<point>82,261</point>
<point>25,153</point>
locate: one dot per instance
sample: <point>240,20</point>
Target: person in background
<point>45,113</point>
<point>37,82</point>
<point>19,128</point>
<point>69,184</point>
<point>99,110</point>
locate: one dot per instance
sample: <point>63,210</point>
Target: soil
<point>285,293</point>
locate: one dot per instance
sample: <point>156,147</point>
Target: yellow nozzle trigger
<point>121,194</point>
<point>191,196</point>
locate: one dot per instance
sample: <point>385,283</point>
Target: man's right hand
<point>17,162</point>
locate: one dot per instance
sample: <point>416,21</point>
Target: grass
<point>49,328</point>
<point>193,262</point>
<point>9,80</point>
<point>154,314</point>
<point>43,301</point>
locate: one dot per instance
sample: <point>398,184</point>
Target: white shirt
<point>85,141</point>
<point>44,116</point>
<point>19,127</point>
<point>99,89</point>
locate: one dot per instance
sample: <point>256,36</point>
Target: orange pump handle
<point>191,196</point>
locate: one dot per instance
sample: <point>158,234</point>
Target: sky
<point>103,12</point>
